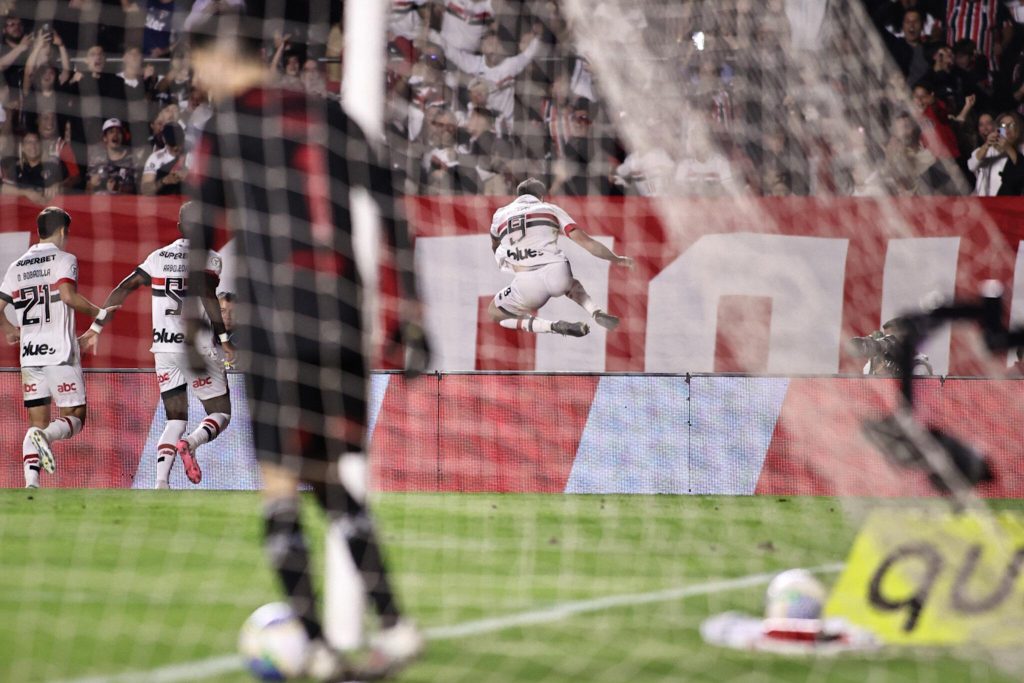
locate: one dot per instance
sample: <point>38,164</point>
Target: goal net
<point>760,209</point>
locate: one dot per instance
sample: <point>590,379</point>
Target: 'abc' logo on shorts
<point>29,388</point>
<point>66,387</point>
<point>163,377</point>
<point>202,382</point>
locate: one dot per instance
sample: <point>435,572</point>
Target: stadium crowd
<point>98,98</point>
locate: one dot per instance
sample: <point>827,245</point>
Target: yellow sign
<point>927,578</point>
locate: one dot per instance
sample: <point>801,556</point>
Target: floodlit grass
<point>97,583</point>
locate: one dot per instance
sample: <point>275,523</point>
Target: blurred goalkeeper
<point>278,167</point>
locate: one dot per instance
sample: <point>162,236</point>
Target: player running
<point>42,286</point>
<point>165,272</point>
<point>524,239</point>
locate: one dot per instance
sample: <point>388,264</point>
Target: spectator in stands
<point>100,95</point>
<point>478,91</point>
<point>710,96</point>
<point>113,169</point>
<point>572,172</point>
<point>31,176</point>
<point>174,86</point>
<point>205,8</point>
<point>14,50</point>
<point>986,162</point>
<point>908,51</point>
<point>440,164</point>
<point>782,170</point>
<point>429,89</point>
<point>556,112</point>
<point>1008,130</point>
<point>888,16</point>
<point>313,80</point>
<point>56,148</point>
<point>287,61</point>
<point>704,172</point>
<point>485,156</point>
<point>41,81</point>
<point>972,72</point>
<point>911,168</point>
<point>464,24</point>
<point>938,136</point>
<point>165,170</point>
<point>157,38</point>
<point>408,26</point>
<point>987,23</point>
<point>948,88</point>
<point>499,71</point>
<point>646,173</point>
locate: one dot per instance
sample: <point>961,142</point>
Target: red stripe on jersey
<point>61,281</point>
<point>542,215</point>
<point>569,228</point>
<point>311,160</point>
<point>157,281</point>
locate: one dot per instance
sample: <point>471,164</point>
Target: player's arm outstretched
<point>69,296</point>
<point>114,300</point>
<point>599,250</point>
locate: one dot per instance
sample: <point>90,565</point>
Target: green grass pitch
<point>95,585</point>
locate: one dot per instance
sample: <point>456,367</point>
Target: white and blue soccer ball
<point>274,643</point>
<point>794,594</point>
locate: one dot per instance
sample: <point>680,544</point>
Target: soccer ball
<point>794,594</point>
<point>274,643</point>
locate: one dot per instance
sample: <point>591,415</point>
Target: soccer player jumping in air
<point>165,272</point>
<point>524,239</point>
<point>42,286</point>
<point>281,164</point>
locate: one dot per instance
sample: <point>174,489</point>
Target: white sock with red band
<point>166,450</point>
<point>208,430</point>
<point>63,428</point>
<point>30,462</point>
<point>527,324</point>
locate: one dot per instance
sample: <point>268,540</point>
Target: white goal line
<point>215,666</point>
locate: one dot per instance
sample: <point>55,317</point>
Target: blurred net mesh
<point>667,130</point>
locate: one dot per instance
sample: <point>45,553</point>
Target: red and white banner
<point>766,286</point>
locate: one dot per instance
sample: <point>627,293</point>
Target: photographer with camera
<point>882,349</point>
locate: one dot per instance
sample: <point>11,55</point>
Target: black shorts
<point>307,384</point>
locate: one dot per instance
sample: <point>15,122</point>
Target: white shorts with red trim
<point>173,371</point>
<point>63,384</point>
<point>531,289</point>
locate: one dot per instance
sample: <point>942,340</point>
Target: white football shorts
<point>61,384</point>
<point>173,371</point>
<point>531,289</point>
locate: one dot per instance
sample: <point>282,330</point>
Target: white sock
<point>166,450</point>
<point>538,325</point>
<point>30,461</point>
<point>208,430</point>
<point>344,591</point>
<point>588,304</point>
<point>63,428</point>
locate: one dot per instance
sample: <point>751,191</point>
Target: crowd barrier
<point>572,433</point>
<point>767,286</point>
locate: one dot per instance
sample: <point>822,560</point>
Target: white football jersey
<point>465,22</point>
<point>405,21</point>
<point>166,270</point>
<point>47,323</point>
<point>527,231</point>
